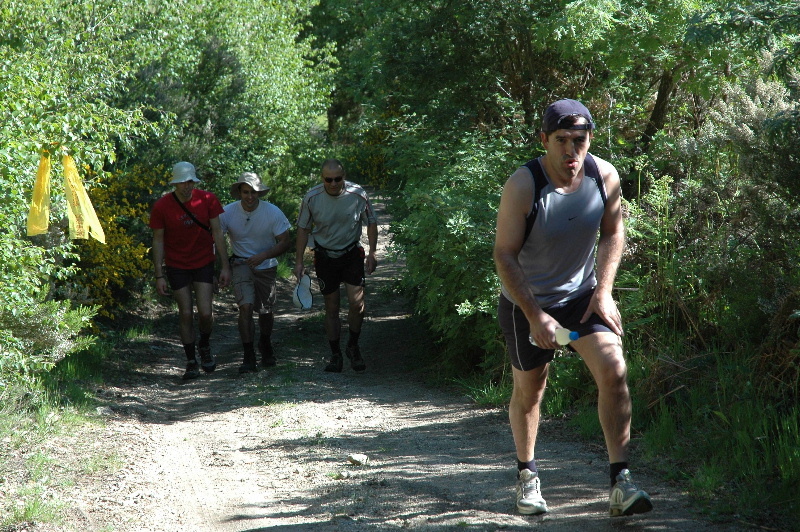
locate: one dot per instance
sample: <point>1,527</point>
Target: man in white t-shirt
<point>333,214</point>
<point>259,233</point>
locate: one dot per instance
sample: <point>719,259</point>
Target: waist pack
<point>325,252</point>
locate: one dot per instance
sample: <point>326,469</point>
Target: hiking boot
<point>356,362</point>
<point>207,361</point>
<point>192,370</point>
<point>529,494</point>
<point>626,499</point>
<point>249,365</point>
<point>335,364</point>
<point>268,359</point>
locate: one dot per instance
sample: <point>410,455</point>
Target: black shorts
<point>349,268</point>
<point>179,278</point>
<point>516,329</point>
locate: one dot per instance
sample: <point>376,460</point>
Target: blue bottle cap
<point>573,335</point>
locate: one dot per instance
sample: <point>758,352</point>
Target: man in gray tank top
<point>555,277</point>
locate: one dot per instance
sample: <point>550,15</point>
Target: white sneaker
<point>626,499</point>
<point>529,494</point>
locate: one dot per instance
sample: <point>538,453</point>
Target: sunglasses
<point>332,179</point>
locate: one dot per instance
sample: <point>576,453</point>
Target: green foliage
<point>35,336</point>
<point>235,87</point>
<point>713,250</point>
<point>57,70</point>
<point>570,387</point>
<point>771,24</point>
<point>482,393</point>
<point>109,274</point>
<point>715,443</point>
<point>724,220</point>
<point>34,332</point>
<point>444,223</point>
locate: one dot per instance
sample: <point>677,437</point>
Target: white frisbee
<point>302,293</point>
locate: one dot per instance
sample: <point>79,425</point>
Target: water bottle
<point>563,336</point>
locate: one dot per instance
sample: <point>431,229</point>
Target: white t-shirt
<point>253,232</point>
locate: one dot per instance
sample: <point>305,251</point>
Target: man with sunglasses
<point>556,273</point>
<point>331,219</point>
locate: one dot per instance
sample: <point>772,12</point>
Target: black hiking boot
<point>249,365</point>
<point>192,370</point>
<point>356,362</point>
<point>207,360</point>
<point>336,363</point>
<point>268,359</point>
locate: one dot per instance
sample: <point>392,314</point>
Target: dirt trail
<point>270,451</point>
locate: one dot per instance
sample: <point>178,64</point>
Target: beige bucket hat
<point>252,179</point>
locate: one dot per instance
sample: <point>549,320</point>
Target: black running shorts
<point>349,268</point>
<point>179,278</point>
<point>516,329</point>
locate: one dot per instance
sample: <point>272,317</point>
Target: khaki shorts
<point>255,287</point>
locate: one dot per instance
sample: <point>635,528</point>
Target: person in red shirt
<point>187,238</point>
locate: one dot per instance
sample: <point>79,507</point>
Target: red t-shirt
<point>186,245</point>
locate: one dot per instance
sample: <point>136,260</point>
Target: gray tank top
<point>558,256</point>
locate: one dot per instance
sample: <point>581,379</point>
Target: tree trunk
<point>659,114</point>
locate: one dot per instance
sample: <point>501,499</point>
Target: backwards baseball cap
<point>183,172</point>
<point>557,112</point>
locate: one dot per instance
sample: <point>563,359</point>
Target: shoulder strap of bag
<point>540,181</point>
<point>195,220</point>
<point>591,170</point>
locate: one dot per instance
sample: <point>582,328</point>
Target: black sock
<point>616,468</point>
<point>353,340</point>
<point>248,348</point>
<point>530,466</point>
<point>204,338</point>
<point>189,350</point>
<point>335,349</point>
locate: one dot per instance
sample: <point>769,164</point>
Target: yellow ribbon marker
<point>83,221</point>
<point>39,213</point>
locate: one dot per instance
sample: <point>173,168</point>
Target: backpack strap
<point>539,182</point>
<point>590,170</point>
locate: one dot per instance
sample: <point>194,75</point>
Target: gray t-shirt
<point>337,221</point>
<point>558,257</point>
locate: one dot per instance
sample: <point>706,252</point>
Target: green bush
<point>444,225</point>
<point>35,332</point>
<point>111,274</point>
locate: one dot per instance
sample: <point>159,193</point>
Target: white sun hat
<point>301,296</point>
<point>183,172</point>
